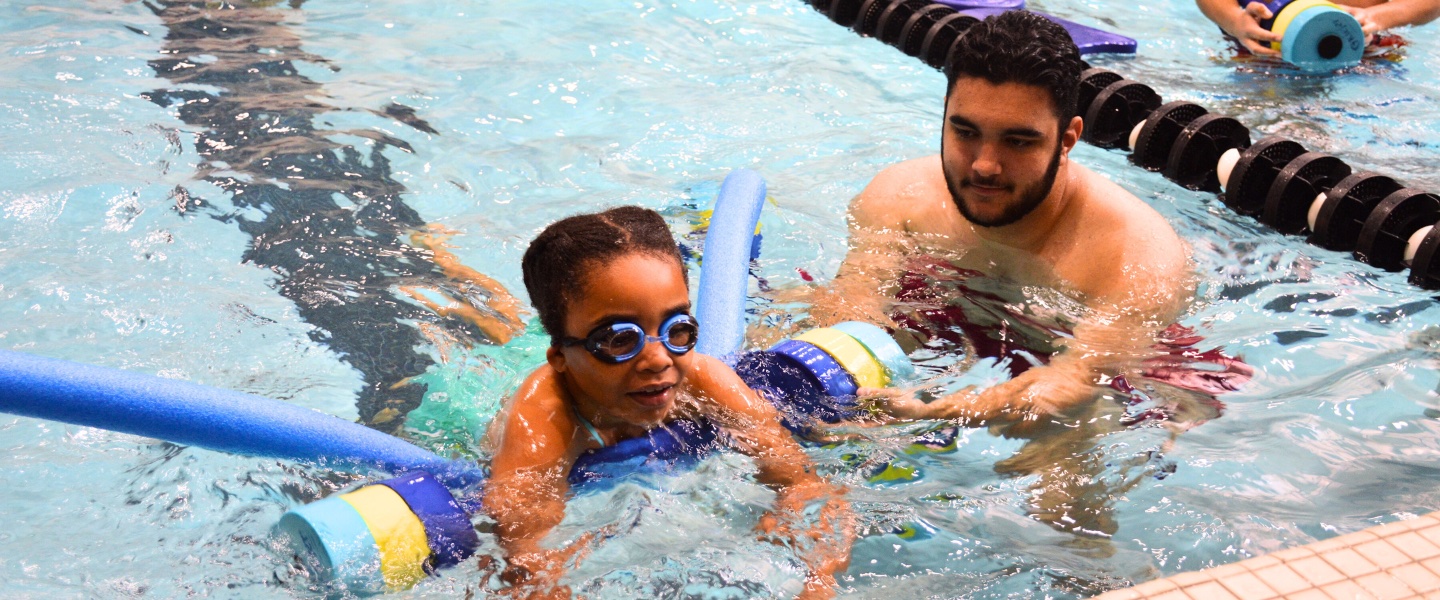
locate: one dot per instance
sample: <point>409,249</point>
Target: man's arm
<point>1107,342</point>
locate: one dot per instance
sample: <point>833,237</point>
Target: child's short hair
<point>557,260</point>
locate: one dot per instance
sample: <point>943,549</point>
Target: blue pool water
<point>121,245</point>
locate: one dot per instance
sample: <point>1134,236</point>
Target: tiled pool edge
<point>1389,562</point>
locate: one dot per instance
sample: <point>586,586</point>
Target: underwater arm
<point>821,538</point>
<point>1072,377</point>
<point>502,321</point>
<point>1128,306</point>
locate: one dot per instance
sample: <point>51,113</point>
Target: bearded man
<point>1092,275</point>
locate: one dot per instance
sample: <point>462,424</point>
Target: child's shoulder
<point>706,373</point>
<point>540,396</point>
<point>541,390</point>
<point>713,386</point>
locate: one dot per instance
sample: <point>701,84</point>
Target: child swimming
<point>611,291</point>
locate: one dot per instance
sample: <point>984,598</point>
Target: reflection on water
<point>325,215</point>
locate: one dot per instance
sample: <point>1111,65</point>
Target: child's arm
<point>1395,13</point>
<point>1242,23</point>
<point>527,487</point>
<point>754,425</point>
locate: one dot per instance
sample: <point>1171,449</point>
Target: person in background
<point>1241,20</point>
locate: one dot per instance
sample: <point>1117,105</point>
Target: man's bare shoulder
<point>906,196</point>
<point>1128,235</point>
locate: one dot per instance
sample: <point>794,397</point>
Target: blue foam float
<point>335,543</point>
<point>1316,35</point>
<point>881,346</point>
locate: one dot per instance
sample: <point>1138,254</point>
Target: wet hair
<point>1021,47</point>
<point>557,261</point>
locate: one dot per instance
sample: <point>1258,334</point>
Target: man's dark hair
<point>557,261</point>
<point>1021,47</point>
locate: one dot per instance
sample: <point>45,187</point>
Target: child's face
<point>637,288</point>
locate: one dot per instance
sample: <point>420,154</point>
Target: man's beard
<point>1030,197</point>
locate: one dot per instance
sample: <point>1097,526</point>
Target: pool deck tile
<point>1431,533</point>
<point>1247,586</point>
<point>1210,590</point>
<point>1293,553</point>
<point>1348,590</point>
<point>1335,543</point>
<point>1349,562</point>
<point>1418,578</point>
<point>1394,561</point>
<point>1382,554</point>
<point>1385,586</point>
<point>1185,580</point>
<point>1414,546</point>
<point>1315,570</point>
<point>1283,579</point>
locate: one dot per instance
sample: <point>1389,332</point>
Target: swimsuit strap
<point>594,434</point>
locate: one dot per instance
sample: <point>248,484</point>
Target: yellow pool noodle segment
<point>1288,14</point>
<point>705,216</point>
<point>398,534</point>
<point>850,353</point>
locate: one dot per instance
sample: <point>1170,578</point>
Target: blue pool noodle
<point>198,415</point>
<point>725,274</point>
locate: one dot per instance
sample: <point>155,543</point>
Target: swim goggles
<point>618,342</point>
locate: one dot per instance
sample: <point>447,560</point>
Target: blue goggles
<point>618,342</point>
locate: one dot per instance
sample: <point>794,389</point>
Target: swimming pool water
<point>119,247</point>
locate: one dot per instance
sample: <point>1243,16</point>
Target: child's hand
<point>1244,25</point>
<point>821,538</point>
<point>536,575</point>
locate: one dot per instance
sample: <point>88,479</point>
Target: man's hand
<point>896,403</point>
<point>1039,392</point>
